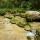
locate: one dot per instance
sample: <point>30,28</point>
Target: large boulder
<point>33,15</point>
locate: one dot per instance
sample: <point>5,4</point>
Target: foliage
<point>2,12</point>
<point>25,4</point>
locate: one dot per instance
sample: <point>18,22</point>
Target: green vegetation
<point>25,4</point>
<point>19,6</point>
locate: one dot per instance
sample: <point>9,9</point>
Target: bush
<point>2,12</point>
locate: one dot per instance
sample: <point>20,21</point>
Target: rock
<point>19,21</point>
<point>8,15</point>
<point>35,25</point>
<point>33,15</point>
<point>27,27</point>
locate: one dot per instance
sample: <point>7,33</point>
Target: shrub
<point>2,12</point>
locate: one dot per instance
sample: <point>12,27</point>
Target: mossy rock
<point>27,27</point>
<point>19,21</point>
<point>12,20</point>
<point>8,15</point>
<point>22,15</point>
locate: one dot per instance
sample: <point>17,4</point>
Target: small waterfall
<point>31,34</point>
